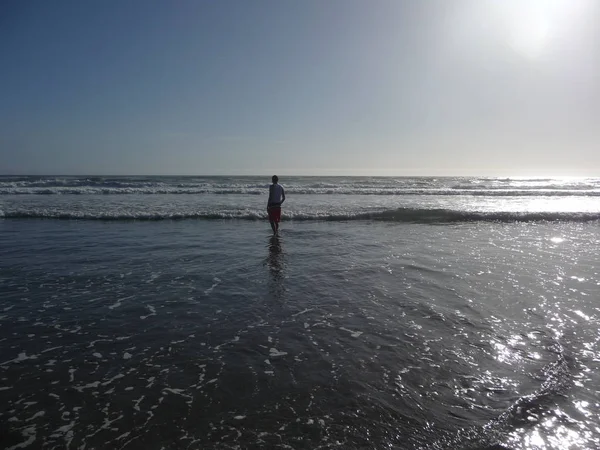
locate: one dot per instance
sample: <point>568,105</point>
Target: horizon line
<point>329,175</point>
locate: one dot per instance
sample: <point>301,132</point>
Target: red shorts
<point>274,214</point>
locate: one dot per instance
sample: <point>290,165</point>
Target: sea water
<point>404,313</point>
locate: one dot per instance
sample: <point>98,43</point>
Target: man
<point>276,198</point>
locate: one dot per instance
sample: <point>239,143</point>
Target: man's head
<point>275,179</point>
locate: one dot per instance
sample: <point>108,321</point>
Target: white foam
<point>94,384</point>
<point>153,277</point>
<point>22,357</point>
<point>216,282</point>
<point>273,353</point>
<point>136,403</point>
<point>107,422</point>
<point>30,434</point>
<point>174,390</point>
<point>116,377</point>
<point>239,417</point>
<point>118,302</point>
<point>97,355</point>
<point>51,348</point>
<point>152,312</point>
<point>198,385</point>
<point>127,355</point>
<point>65,428</point>
<point>354,334</point>
<point>36,415</point>
<point>302,312</point>
<point>91,344</point>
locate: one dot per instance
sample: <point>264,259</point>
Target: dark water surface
<point>362,334</point>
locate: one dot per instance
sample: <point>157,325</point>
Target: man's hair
<point>275,178</point>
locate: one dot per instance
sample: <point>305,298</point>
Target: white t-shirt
<point>275,194</point>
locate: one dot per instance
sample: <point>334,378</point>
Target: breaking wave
<point>298,186</point>
<point>401,215</point>
<point>157,190</point>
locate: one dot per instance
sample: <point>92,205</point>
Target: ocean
<point>399,313</point>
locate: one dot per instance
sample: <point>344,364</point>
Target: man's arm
<point>270,195</point>
<point>282,195</point>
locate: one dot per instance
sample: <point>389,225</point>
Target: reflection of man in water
<point>274,260</point>
<point>276,198</point>
<point>276,263</point>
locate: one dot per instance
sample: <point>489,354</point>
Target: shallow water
<point>349,334</point>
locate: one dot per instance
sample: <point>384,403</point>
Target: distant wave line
<point>307,191</point>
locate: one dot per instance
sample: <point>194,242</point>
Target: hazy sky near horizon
<point>348,87</point>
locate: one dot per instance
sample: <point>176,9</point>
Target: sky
<point>312,87</point>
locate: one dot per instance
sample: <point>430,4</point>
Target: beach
<point>405,313</point>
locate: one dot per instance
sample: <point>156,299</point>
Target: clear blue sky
<point>390,87</point>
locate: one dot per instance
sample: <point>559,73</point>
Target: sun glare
<point>532,25</point>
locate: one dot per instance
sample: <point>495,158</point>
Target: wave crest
<point>400,215</point>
